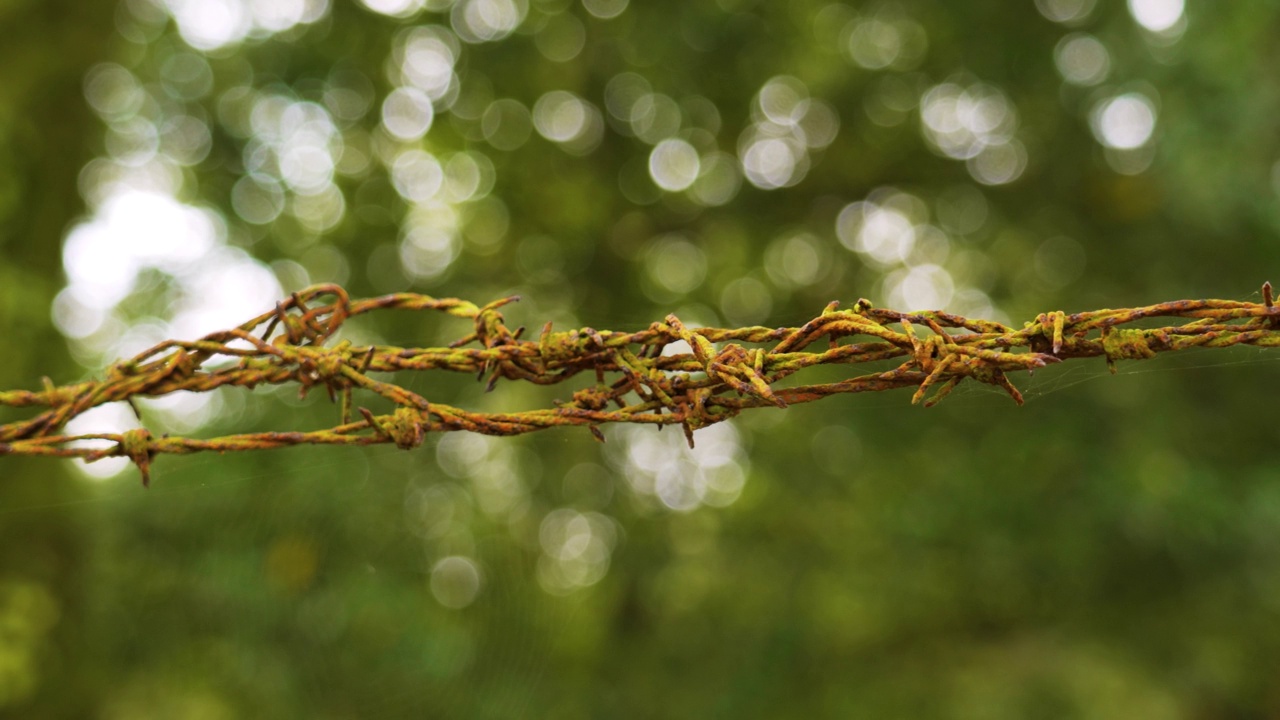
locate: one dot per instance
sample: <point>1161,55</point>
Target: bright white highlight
<point>417,175</point>
<point>1156,15</point>
<point>924,287</point>
<point>109,418</point>
<point>478,21</point>
<point>674,165</point>
<point>215,287</point>
<point>789,125</point>
<point>427,58</point>
<point>1125,122</point>
<point>976,124</point>
<point>407,113</point>
<point>394,8</point>
<point>663,467</point>
<point>559,116</point>
<point>131,232</point>
<point>211,24</point>
<point>881,233</point>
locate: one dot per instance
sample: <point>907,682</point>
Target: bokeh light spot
<point>924,287</point>
<point>130,232</point>
<point>113,91</point>
<point>185,139</point>
<point>478,21</point>
<point>109,418</point>
<point>818,124</point>
<point>186,76</point>
<point>427,58</point>
<point>794,261</point>
<point>887,39</point>
<point>998,164</point>
<point>576,549</point>
<point>1082,59</point>
<point>780,100</point>
<point>455,581</point>
<point>883,234</point>
<point>605,9</point>
<point>464,177</point>
<point>562,38</point>
<point>1125,122</point>
<point>675,264</point>
<point>674,165</point>
<point>655,117</point>
<point>1156,15</point>
<point>426,253</point>
<point>417,175</point>
<point>1067,12</point>
<point>621,94</point>
<point>506,124</point>
<point>407,113</point>
<point>661,466</point>
<point>560,116</point>
<point>257,199</point>
<point>772,162</point>
<point>874,44</point>
<point>394,8</point>
<point>718,180</point>
<point>132,142</point>
<point>210,24</point>
<point>319,212</point>
<point>960,121</point>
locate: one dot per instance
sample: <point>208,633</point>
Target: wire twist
<point>666,374</point>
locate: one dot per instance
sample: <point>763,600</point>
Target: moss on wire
<point>635,381</point>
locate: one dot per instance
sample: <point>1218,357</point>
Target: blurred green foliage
<point>1108,550</point>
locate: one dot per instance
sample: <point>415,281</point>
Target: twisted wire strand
<point>710,378</point>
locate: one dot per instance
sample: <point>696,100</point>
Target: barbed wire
<point>666,374</point>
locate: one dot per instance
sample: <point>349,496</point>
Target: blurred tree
<point>46,136</point>
<point>1103,552</point>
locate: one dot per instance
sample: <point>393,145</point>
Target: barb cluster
<point>667,374</point>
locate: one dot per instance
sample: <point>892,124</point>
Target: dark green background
<point>1109,550</point>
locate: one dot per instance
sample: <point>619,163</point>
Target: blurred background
<point>173,167</point>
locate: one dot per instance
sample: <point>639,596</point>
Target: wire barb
<point>636,376</point>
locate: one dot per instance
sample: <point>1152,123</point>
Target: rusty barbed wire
<point>693,387</point>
